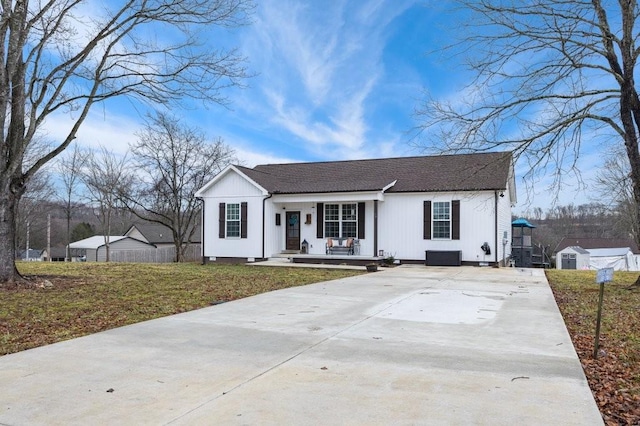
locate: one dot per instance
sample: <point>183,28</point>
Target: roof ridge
<point>506,153</point>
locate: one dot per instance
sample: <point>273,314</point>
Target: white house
<point>446,208</point>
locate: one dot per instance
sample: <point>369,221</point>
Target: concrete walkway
<point>408,345</point>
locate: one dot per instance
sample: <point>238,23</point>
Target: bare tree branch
<point>59,57</point>
<point>550,78</point>
<point>105,175</point>
<point>172,162</point>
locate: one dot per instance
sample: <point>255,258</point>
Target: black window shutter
<point>243,220</point>
<point>221,221</point>
<point>427,220</point>
<point>455,219</point>
<point>320,224</point>
<point>361,216</point>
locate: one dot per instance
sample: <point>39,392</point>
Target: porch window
<point>340,220</point>
<point>349,220</point>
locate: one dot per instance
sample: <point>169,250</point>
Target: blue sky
<point>334,80</point>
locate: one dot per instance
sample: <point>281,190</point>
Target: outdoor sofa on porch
<point>339,246</point>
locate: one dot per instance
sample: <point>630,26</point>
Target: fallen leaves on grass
<point>614,377</point>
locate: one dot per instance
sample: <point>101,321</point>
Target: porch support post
<point>375,228</point>
<point>495,213</point>
<point>264,225</point>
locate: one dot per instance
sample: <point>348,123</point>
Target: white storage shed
<point>572,258</point>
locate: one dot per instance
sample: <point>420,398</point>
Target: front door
<point>293,230</point>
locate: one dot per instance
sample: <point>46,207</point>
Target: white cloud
<point>318,65</point>
<point>100,128</point>
<point>251,158</point>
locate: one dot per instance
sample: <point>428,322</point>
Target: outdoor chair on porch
<point>339,246</point>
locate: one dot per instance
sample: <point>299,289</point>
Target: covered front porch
<point>325,228</point>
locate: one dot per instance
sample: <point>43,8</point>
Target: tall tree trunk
<point>178,257</point>
<point>629,110</point>
<point>8,209</point>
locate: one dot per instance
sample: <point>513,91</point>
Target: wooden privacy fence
<point>157,255</point>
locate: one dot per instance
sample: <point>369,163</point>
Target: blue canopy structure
<point>522,223</point>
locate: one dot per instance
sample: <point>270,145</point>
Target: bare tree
<point>551,76</point>
<point>172,162</point>
<point>56,59</point>
<point>613,185</point>
<point>69,168</point>
<point>105,176</point>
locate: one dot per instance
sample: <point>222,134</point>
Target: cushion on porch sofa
<point>340,245</point>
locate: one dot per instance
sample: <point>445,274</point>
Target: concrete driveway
<point>408,345</point>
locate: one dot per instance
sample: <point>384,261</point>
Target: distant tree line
<point>592,220</point>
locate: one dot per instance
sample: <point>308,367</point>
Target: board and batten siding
<point>232,188</point>
<point>400,224</point>
<point>275,234</point>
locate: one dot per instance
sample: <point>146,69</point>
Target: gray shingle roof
<point>157,233</point>
<point>578,249</point>
<point>461,172</point>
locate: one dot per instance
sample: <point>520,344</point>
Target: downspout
<point>495,195</point>
<point>375,228</point>
<point>264,223</point>
<point>202,230</point>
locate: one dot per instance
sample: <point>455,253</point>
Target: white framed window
<point>441,220</point>
<point>341,220</point>
<point>349,220</point>
<point>233,220</point>
<point>332,220</point>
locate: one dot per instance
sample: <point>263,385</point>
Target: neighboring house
<point>93,249</point>
<point>620,259</point>
<point>443,207</point>
<point>157,234</point>
<point>31,255</point>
